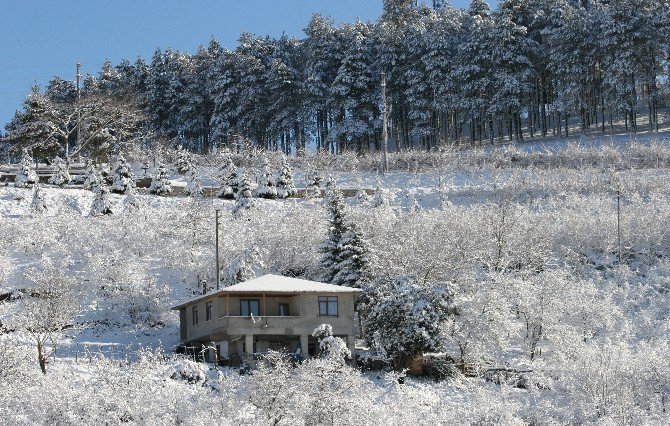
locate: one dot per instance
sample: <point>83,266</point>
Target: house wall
<point>307,305</point>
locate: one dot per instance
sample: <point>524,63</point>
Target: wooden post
<point>218,266</point>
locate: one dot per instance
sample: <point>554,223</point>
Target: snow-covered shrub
<point>194,185</point>
<point>267,187</point>
<point>331,347</point>
<point>101,204</point>
<point>228,178</point>
<point>407,317</point>
<point>123,181</point>
<point>92,176</point>
<point>190,371</point>
<point>38,203</point>
<point>184,161</point>
<point>160,184</point>
<point>61,175</point>
<point>26,174</point>
<point>285,182</point>
<point>243,197</point>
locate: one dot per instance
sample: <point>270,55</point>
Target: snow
<point>275,284</point>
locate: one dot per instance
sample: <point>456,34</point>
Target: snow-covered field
<point>524,240</point>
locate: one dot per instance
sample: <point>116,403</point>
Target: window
<point>249,307</point>
<point>209,307</point>
<point>194,312</point>
<point>283,310</point>
<point>328,306</point>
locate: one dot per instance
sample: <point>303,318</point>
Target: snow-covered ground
<point>525,240</point>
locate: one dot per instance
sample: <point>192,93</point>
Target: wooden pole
<point>218,266</point>
<point>618,221</point>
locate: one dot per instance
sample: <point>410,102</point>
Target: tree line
<point>476,75</point>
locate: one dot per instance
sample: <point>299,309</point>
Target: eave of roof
<point>274,285</point>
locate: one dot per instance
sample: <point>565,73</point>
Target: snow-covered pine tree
<point>160,184</point>
<point>353,268</point>
<point>313,183</point>
<point>381,197</point>
<point>194,185</point>
<point>61,175</point>
<point>337,227</point>
<point>285,183</point>
<point>244,196</point>
<point>267,187</point>
<point>101,205</point>
<point>184,162</point>
<point>406,318</point>
<point>38,204</point>
<point>228,177</point>
<point>123,179</point>
<point>26,174</point>
<point>92,177</point>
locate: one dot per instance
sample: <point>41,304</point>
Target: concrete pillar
<point>351,344</point>
<point>304,343</point>
<point>249,343</point>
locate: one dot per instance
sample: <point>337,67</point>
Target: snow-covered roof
<point>274,284</point>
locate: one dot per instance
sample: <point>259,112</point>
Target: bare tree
<point>47,309</point>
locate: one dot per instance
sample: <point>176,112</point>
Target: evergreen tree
<point>38,204</point>
<point>244,196</point>
<point>337,227</point>
<point>61,175</point>
<point>406,318</point>
<point>267,188</point>
<point>37,126</point>
<point>194,185</point>
<point>26,174</point>
<point>313,182</point>
<point>160,184</point>
<point>92,177</point>
<point>184,163</point>
<point>228,178</point>
<point>285,184</point>
<point>123,179</point>
<point>381,197</point>
<point>101,205</point>
<point>353,268</point>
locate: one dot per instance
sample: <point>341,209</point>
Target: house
<point>271,312</point>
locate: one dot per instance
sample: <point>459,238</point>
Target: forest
<point>529,69</point>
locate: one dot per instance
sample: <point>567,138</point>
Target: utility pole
<point>67,147</point>
<point>618,220</point>
<point>218,267</point>
<point>385,167</point>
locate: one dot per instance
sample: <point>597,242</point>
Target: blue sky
<point>42,38</point>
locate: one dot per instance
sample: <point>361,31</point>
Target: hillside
<point>524,241</point>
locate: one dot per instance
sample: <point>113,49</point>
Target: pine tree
<point>26,174</point>
<point>353,268</point>
<point>337,228</point>
<point>123,179</point>
<point>101,205</point>
<point>244,196</point>
<point>184,163</point>
<point>267,188</point>
<point>381,197</point>
<point>92,177</point>
<point>38,204</point>
<point>61,175</point>
<point>285,184</point>
<point>194,185</point>
<point>313,183</point>
<point>160,184</point>
<point>228,177</point>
